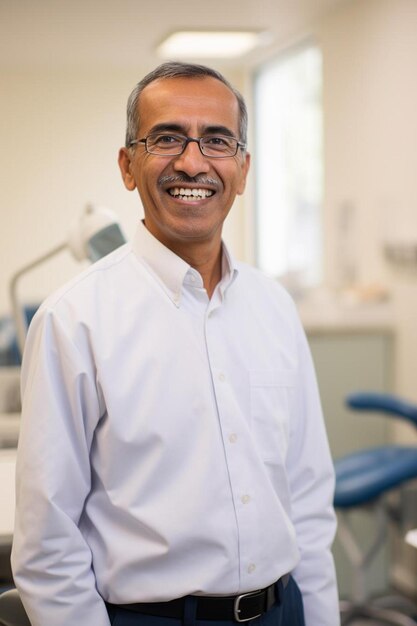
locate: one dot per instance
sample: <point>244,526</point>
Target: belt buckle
<point>237,610</point>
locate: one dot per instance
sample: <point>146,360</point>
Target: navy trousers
<point>288,611</point>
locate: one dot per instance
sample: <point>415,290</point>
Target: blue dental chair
<point>364,479</point>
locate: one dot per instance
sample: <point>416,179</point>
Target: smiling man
<point>173,465</point>
<point>188,190</point>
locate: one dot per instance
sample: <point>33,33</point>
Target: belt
<point>241,608</point>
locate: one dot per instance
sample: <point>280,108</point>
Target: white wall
<point>60,136</point>
<point>370,98</point>
<point>370,104</point>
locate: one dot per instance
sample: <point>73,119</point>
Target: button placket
<point>230,424</point>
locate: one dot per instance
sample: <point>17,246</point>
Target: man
<point>173,465</point>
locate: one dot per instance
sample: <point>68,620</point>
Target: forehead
<point>188,102</point>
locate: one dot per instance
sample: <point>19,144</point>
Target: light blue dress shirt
<point>170,445</point>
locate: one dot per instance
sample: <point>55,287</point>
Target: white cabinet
<point>350,360</point>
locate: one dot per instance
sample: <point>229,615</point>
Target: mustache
<point>183,178</point>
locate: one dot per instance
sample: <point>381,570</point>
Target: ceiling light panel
<point>208,44</point>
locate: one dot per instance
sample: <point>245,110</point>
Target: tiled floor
<point>367,622</point>
<point>397,602</point>
<point>404,607</point>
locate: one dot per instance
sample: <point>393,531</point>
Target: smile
<point>185,193</point>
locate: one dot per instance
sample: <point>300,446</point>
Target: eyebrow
<point>178,128</point>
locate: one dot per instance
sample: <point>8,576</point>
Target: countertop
<point>325,312</point>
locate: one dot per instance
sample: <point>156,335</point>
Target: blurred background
<point>331,204</point>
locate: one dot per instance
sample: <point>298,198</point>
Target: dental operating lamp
<point>93,235</point>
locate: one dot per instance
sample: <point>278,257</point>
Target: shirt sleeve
<point>51,561</point>
<point>311,475</point>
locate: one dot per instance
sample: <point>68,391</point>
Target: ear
<point>245,169</point>
<point>125,168</point>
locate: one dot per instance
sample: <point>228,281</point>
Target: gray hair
<point>175,69</point>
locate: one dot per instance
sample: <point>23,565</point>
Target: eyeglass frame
<point>188,140</point>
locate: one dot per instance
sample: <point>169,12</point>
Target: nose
<point>192,162</point>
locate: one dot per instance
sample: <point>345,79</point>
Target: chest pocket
<point>270,393</point>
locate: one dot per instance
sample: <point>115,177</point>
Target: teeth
<point>187,193</point>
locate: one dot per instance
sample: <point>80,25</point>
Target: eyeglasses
<point>213,146</point>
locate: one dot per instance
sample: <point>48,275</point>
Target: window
<point>289,164</point>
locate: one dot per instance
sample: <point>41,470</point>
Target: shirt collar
<point>229,270</point>
<point>170,269</point>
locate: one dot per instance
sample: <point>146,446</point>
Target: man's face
<point>193,107</point>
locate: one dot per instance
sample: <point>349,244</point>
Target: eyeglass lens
<point>170,145</point>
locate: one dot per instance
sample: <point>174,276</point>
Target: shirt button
<point>233,438</point>
<point>245,499</point>
<point>222,377</point>
<point>251,568</point>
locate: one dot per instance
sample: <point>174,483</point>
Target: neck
<point>205,255</point>
<point>208,263</point>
